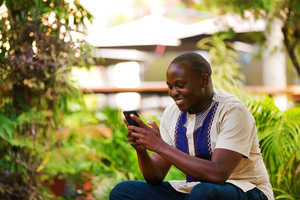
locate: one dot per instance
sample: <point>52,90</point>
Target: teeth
<point>178,101</point>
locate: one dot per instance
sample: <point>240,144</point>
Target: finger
<point>138,142</point>
<point>136,135</point>
<point>133,143</point>
<point>153,124</point>
<point>129,133</point>
<point>138,120</point>
<point>132,140</point>
<point>124,119</point>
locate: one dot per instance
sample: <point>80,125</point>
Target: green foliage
<point>287,11</point>
<point>280,145</point>
<point>279,137</point>
<point>240,6</point>
<point>39,43</point>
<point>117,161</point>
<point>223,59</point>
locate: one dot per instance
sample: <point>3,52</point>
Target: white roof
<point>150,30</point>
<point>155,29</point>
<point>223,23</point>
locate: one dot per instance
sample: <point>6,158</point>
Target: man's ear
<point>205,80</point>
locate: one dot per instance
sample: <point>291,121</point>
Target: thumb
<point>152,124</point>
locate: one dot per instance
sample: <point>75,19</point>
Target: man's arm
<point>218,170</point>
<point>153,168</point>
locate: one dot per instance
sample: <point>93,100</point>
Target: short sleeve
<point>237,130</point>
<point>164,130</point>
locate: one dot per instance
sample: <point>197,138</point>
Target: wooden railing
<point>161,87</point>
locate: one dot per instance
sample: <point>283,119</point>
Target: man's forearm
<point>151,171</point>
<point>215,171</point>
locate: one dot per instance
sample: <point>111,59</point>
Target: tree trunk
<point>291,49</point>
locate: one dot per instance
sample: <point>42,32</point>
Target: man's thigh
<point>205,191</point>
<point>137,190</point>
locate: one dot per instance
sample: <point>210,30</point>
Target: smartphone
<point>130,121</point>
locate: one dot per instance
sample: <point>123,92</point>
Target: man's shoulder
<point>228,101</point>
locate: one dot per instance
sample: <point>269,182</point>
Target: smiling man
<point>206,133</point>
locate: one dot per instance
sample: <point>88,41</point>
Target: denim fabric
<point>138,190</point>
<point>144,191</point>
<point>256,194</point>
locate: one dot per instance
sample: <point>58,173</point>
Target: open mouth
<point>179,101</point>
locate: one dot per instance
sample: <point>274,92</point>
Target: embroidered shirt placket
<point>190,130</point>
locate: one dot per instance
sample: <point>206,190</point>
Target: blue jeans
<point>139,190</point>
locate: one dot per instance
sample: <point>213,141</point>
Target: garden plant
<point>39,43</point>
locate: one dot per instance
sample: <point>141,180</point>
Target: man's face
<point>185,87</point>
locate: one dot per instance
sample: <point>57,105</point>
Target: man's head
<point>196,61</point>
<point>188,78</point>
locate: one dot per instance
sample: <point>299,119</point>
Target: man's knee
<point>205,191</point>
<point>122,190</point>
<point>209,191</point>
<point>115,192</point>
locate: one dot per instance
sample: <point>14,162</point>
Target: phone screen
<point>130,121</point>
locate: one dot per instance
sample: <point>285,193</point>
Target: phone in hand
<point>131,121</point>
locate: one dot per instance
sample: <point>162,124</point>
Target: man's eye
<point>181,86</point>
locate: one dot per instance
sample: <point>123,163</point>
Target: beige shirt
<point>233,128</point>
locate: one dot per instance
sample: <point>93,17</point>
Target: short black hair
<point>196,61</point>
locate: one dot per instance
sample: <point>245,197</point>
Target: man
<point>206,133</point>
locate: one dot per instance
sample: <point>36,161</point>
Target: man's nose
<point>174,92</point>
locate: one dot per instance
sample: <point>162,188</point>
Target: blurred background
<point>69,68</point>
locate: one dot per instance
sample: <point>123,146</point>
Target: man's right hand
<point>154,168</point>
<point>132,140</point>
